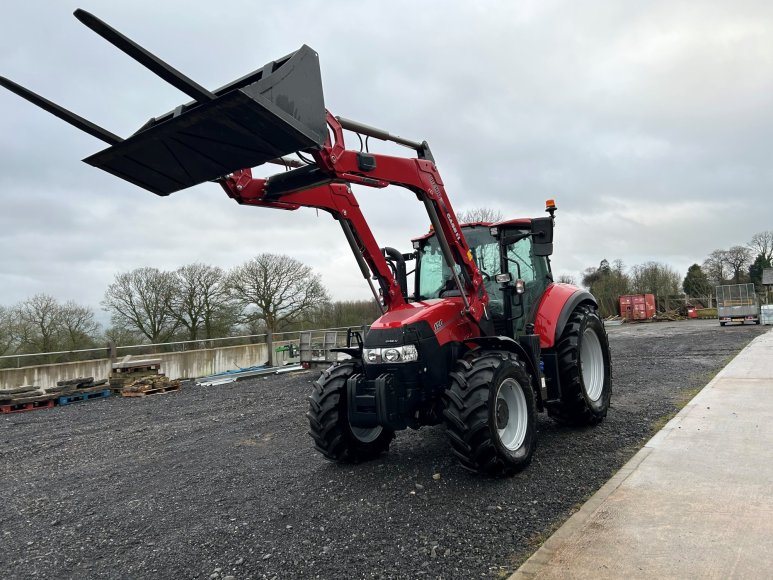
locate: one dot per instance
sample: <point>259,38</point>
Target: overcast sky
<point>650,123</point>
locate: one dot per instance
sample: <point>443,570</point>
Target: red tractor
<point>484,340</point>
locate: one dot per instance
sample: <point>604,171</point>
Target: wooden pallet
<point>156,391</point>
<point>42,403</point>
<point>78,397</point>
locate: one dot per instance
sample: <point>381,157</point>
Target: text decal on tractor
<point>486,338</point>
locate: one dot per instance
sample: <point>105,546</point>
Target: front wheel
<point>329,426</point>
<point>490,413</point>
<point>585,370</point>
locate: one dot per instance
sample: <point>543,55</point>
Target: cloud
<point>649,123</point>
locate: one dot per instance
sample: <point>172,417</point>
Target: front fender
<point>506,343</point>
<point>557,304</point>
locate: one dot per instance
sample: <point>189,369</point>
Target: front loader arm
<point>338,200</point>
<point>320,185</point>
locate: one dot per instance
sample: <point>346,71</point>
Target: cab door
<point>520,261</point>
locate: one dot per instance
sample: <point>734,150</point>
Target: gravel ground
<point>212,482</point>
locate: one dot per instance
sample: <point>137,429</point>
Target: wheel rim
<point>511,414</point>
<point>592,364</point>
<point>366,434</point>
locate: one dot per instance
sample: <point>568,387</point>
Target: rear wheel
<point>329,425</point>
<point>585,370</point>
<point>490,413</point>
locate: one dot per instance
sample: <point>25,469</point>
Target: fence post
<point>111,351</point>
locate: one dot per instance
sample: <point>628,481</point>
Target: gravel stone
<point>173,485</point>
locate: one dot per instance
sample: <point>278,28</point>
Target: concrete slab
<point>695,502</point>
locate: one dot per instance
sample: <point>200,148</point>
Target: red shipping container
<point>637,306</point>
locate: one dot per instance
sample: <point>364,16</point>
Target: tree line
<point>268,294</point>
<point>735,265</point>
<point>273,293</point>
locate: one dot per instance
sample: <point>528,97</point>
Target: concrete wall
<point>175,365</point>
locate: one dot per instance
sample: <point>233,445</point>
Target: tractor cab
<point>513,258</point>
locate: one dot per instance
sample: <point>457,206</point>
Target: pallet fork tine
<point>147,59</point>
<point>68,116</point>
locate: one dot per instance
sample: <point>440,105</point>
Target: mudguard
<point>557,304</point>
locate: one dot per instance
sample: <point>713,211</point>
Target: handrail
<point>149,345</point>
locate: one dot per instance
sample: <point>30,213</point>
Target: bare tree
<point>200,302</point>
<point>761,244</point>
<point>567,279</point>
<point>738,258</point>
<point>656,278</point>
<point>39,322</point>
<point>78,327</point>
<point>479,214</point>
<point>139,300</point>
<point>715,267</point>
<point>7,331</point>
<point>607,283</point>
<point>122,336</point>
<point>276,290</point>
<point>347,313</point>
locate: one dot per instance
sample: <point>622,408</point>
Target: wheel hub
<point>503,414</point>
<point>592,364</point>
<point>511,414</point>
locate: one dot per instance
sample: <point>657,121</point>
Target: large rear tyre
<point>585,370</point>
<point>329,425</point>
<point>490,413</point>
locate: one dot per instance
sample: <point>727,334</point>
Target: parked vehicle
<point>737,303</point>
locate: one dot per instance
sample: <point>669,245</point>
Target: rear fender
<point>557,304</point>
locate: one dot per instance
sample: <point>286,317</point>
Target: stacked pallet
<point>129,370</point>
<point>80,389</point>
<point>29,397</point>
<point>152,385</point>
<point>24,398</point>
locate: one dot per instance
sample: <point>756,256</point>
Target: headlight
<point>392,354</point>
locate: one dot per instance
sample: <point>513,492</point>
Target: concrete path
<point>695,502</point>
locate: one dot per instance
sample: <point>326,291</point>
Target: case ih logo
<point>451,220</point>
<point>439,325</point>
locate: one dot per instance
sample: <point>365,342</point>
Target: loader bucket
<point>276,110</point>
<point>272,112</point>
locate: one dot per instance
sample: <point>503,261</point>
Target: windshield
<point>435,275</point>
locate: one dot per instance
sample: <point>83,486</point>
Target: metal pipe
<point>364,129</point>
<point>360,260</point>
<point>287,162</point>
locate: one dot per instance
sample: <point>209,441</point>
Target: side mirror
<point>542,234</point>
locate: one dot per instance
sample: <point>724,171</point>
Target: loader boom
<point>319,185</point>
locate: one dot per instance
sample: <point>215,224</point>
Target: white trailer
<point>737,303</point>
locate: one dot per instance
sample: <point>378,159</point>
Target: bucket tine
<point>68,116</point>
<point>145,58</point>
